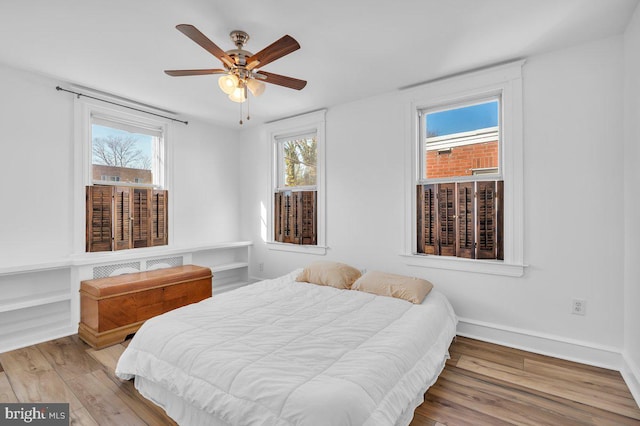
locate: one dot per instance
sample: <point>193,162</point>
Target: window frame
<point>280,130</point>
<point>86,107</point>
<point>504,80</point>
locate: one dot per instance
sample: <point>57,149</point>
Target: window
<point>122,178</point>
<point>461,214</point>
<point>464,189</point>
<point>296,194</point>
<point>297,201</point>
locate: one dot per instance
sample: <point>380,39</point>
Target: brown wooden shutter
<point>99,218</point>
<point>122,223</point>
<point>307,217</point>
<point>287,214</point>
<point>141,217</point>
<point>465,246</point>
<point>159,218</point>
<point>427,219</point>
<point>278,216</point>
<point>489,226</point>
<point>295,217</point>
<point>500,218</point>
<point>285,217</point>
<point>446,218</point>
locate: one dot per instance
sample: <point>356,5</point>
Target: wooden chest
<point>113,308</point>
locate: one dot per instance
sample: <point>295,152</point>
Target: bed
<point>282,352</point>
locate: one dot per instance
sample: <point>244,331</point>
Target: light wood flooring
<point>482,384</point>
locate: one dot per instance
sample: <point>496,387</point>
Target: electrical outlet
<point>261,267</point>
<point>578,306</point>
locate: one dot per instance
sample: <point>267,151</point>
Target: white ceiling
<point>351,49</point>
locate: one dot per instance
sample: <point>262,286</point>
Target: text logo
<point>36,414</point>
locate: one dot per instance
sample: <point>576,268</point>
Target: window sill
<point>491,267</point>
<point>296,248</point>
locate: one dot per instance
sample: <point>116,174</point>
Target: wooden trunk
<point>114,307</point>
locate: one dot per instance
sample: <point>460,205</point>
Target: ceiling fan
<point>241,67</point>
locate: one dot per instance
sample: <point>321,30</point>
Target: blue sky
<point>463,119</point>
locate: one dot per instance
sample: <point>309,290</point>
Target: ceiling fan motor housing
<point>239,38</point>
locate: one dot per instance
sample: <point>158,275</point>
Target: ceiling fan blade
<point>275,50</point>
<point>194,34</point>
<point>181,73</point>
<point>281,80</point>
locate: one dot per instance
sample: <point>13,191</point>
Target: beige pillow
<point>385,284</point>
<point>334,274</point>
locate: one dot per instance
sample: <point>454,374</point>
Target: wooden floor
<point>482,384</point>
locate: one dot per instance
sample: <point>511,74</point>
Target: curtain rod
<point>121,105</point>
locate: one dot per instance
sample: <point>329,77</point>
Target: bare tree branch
<point>119,151</point>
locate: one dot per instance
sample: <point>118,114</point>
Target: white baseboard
<point>544,344</point>
<point>631,375</point>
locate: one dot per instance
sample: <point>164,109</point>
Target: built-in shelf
<point>21,268</point>
<point>31,301</point>
<point>52,307</point>
<point>229,266</point>
<point>83,259</point>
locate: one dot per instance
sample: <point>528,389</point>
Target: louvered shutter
<point>141,217</point>
<point>289,215</point>
<point>278,228</point>
<point>122,223</point>
<point>307,217</point>
<point>427,219</point>
<point>99,212</point>
<point>500,218</point>
<point>446,219</point>
<point>285,216</point>
<point>159,218</point>
<point>295,217</point>
<point>489,220</point>
<point>465,245</point>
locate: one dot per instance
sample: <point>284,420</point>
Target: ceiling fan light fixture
<point>228,83</point>
<point>239,95</point>
<point>256,87</point>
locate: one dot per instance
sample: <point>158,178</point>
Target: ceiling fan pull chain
<point>247,94</point>
<point>240,114</point>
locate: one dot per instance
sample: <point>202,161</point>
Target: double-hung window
<point>124,175</point>
<point>460,188</point>
<point>465,183</point>
<point>295,197</point>
<point>297,184</point>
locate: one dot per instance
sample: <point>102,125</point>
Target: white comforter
<point>280,352</point>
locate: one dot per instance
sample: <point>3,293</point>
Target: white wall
<point>205,192</point>
<point>36,169</point>
<point>573,154</point>
<point>36,174</point>
<point>632,203</point>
